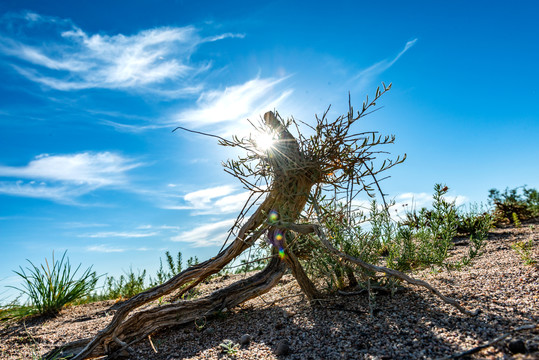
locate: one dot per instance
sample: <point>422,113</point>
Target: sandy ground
<point>411,324</point>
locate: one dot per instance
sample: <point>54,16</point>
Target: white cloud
<point>366,75</point>
<point>160,227</point>
<point>119,234</point>
<point>416,200</point>
<point>202,198</point>
<point>79,225</point>
<point>458,199</point>
<point>235,103</point>
<point>58,193</point>
<point>98,169</point>
<point>65,57</point>
<point>104,249</point>
<point>64,177</point>
<point>213,200</point>
<point>212,234</point>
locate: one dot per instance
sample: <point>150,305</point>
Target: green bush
<point>50,288</point>
<point>423,238</point>
<point>344,233</point>
<point>513,206</point>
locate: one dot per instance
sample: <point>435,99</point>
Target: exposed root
<point>311,228</point>
<point>144,323</point>
<point>303,280</point>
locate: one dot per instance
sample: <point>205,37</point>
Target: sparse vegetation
<point>132,283</point>
<point>423,238</point>
<point>50,288</point>
<point>310,235</point>
<point>514,205</point>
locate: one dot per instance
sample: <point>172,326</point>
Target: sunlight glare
<point>264,141</point>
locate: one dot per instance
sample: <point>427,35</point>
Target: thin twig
<point>492,342</point>
<point>228,142</point>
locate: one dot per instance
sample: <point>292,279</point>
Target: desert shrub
<point>513,206</point>
<point>125,286</point>
<point>423,238</point>
<point>50,288</point>
<point>345,233</point>
<point>474,222</point>
<point>131,283</point>
<point>256,259</point>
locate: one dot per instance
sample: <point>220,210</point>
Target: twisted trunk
<point>287,196</point>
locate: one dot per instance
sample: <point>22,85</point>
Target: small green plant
<point>50,288</point>
<point>229,347</point>
<point>476,222</point>
<point>524,249</point>
<point>516,220</point>
<point>126,286</point>
<point>174,268</point>
<point>425,237</point>
<point>192,261</point>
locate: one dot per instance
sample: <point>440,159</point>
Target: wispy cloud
<point>235,103</point>
<point>366,75</point>
<point>105,249</point>
<point>81,225</point>
<point>119,234</point>
<point>99,169</point>
<point>214,200</point>
<point>42,190</point>
<point>65,177</point>
<point>65,57</point>
<point>159,227</point>
<point>212,234</point>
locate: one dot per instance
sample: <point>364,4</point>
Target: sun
<point>264,141</point>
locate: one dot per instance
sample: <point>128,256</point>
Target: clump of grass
<point>49,288</point>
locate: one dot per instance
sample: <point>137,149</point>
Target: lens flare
<point>264,141</point>
<point>273,216</point>
<point>281,253</point>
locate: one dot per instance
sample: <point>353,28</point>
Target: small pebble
<point>283,348</point>
<point>517,346</point>
<point>245,339</point>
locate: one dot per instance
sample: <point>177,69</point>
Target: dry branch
<point>316,229</point>
<point>492,342</point>
<point>144,323</point>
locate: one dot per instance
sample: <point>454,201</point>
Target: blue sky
<point>91,90</point>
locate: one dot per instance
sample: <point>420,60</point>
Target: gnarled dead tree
<point>285,179</point>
